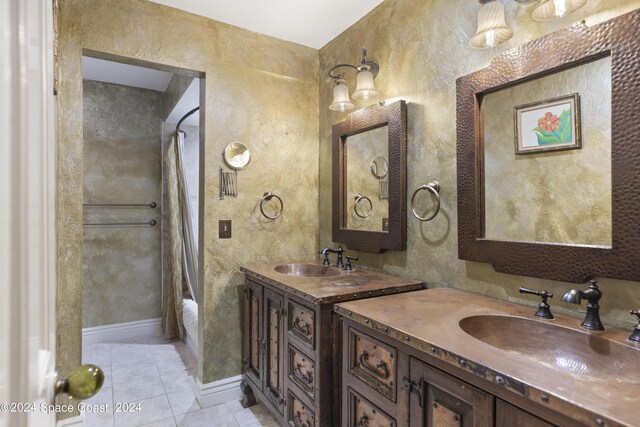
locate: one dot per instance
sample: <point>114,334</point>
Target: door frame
<point>27,211</point>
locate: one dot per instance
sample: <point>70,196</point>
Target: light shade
<point>341,101</point>
<point>364,85</point>
<point>554,9</point>
<point>492,27</point>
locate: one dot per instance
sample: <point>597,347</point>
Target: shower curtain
<point>183,254</point>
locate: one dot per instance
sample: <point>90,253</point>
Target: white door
<point>27,214</point>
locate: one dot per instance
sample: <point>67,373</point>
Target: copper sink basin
<point>557,347</point>
<point>307,270</point>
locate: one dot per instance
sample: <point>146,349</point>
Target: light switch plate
<point>224,229</point>
<point>385,224</point>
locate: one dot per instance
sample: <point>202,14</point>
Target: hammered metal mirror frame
<point>618,38</point>
<point>395,116</point>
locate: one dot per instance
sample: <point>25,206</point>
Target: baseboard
<point>192,344</point>
<point>118,331</point>
<point>218,392</point>
<point>77,421</point>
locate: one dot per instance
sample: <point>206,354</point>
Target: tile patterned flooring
<point>160,375</point>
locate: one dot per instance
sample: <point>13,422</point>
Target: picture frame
<point>549,125</point>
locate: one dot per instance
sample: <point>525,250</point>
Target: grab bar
<point>151,223</point>
<point>151,205</point>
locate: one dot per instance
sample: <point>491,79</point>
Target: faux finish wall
<point>121,161</point>
<point>422,47</point>
<point>258,90</point>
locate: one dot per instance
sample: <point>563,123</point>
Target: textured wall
<point>422,48</point>
<point>362,148</point>
<point>561,196</point>
<point>121,162</point>
<point>258,90</point>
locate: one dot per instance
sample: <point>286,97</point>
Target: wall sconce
<point>367,71</point>
<point>493,29</point>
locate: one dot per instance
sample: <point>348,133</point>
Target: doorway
<point>130,113</point>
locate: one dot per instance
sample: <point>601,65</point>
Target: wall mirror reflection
<point>547,156</point>
<point>550,194</point>
<point>369,211</point>
<point>370,179</point>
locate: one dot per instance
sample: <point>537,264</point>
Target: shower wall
<point>122,164</point>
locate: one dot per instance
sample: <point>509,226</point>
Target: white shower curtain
<point>183,253</point>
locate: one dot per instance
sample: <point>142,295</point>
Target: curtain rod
<point>184,117</point>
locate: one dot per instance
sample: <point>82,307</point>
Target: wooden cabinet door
<point>508,415</point>
<point>274,354</point>
<point>253,334</point>
<point>437,399</point>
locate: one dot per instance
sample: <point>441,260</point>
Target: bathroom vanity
<point>291,354</point>
<point>443,357</point>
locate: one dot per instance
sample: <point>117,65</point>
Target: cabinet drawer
<point>373,362</point>
<point>299,414</point>
<point>302,323</point>
<point>362,413</point>
<point>302,371</point>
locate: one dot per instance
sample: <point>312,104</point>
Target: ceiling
<point>312,23</point>
<point>124,74</point>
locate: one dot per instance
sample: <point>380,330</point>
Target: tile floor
<point>160,375</point>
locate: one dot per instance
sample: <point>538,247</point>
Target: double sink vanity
<point>328,346</point>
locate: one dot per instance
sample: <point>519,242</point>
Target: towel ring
<point>265,198</point>
<point>358,198</point>
<point>432,187</point>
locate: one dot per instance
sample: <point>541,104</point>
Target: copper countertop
<point>428,320</point>
<point>346,286</point>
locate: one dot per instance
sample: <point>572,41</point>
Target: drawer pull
<point>380,370</point>
<point>297,419</point>
<point>305,378</point>
<point>306,329</point>
<point>364,421</point>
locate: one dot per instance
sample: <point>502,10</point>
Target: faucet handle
<point>544,310</point>
<point>348,267</point>
<point>635,336</point>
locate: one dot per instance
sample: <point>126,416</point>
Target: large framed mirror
<point>370,179</point>
<point>548,156</point>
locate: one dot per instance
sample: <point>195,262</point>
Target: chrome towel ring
<point>359,197</point>
<point>432,187</point>
<point>265,198</point>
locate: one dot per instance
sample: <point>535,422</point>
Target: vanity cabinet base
<point>292,352</point>
<point>420,391</point>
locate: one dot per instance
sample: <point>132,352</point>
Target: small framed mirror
<point>236,155</point>
<point>370,196</point>
<point>379,167</point>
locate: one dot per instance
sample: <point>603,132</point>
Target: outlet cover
<point>224,229</point>
<point>385,224</point>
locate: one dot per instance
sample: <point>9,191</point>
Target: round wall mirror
<point>236,155</point>
<point>379,167</point>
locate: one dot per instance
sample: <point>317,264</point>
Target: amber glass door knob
<point>84,382</point>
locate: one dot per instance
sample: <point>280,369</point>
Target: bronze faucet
<point>592,294</point>
<point>339,251</point>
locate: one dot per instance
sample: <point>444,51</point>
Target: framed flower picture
<point>549,125</point>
